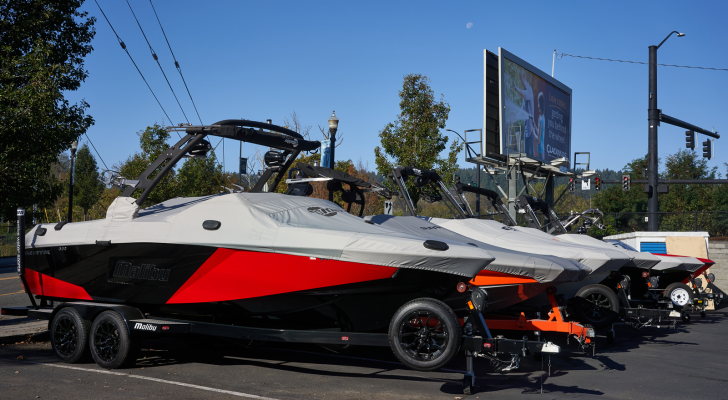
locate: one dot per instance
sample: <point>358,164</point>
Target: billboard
<point>535,111</point>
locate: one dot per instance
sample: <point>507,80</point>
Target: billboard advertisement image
<point>535,111</point>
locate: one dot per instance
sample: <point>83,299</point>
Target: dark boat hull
<point>233,286</point>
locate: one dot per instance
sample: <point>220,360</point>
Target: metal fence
<point>713,222</point>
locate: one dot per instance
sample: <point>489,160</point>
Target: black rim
<point>597,307</point>
<point>65,336</point>
<point>106,340</point>
<point>423,336</point>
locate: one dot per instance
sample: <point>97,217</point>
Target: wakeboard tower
<point>252,265</point>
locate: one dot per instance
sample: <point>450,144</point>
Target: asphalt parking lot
<point>687,362</point>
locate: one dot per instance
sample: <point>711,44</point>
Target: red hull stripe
<point>238,274</point>
<point>33,280</point>
<point>53,287</point>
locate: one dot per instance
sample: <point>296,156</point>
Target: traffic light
<point>572,185</point>
<point>626,181</point>
<point>707,151</point>
<point>598,183</point>
<point>690,140</point>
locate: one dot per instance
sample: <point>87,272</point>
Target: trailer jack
<point>489,347</point>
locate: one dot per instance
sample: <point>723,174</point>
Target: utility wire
<point>97,152</point>
<point>123,46</point>
<point>638,62</point>
<point>154,55</point>
<point>176,64</point>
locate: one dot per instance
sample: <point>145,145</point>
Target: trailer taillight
<point>165,328</point>
<point>645,274</point>
<point>462,287</point>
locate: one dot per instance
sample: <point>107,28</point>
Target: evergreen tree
<point>87,186</point>
<point>414,139</point>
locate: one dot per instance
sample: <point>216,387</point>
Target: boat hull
<point>234,286</point>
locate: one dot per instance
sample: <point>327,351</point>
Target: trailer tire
<point>111,345</point>
<point>679,294</point>
<point>424,334</point>
<point>69,335</point>
<point>596,305</point>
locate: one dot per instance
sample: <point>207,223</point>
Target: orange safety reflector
<point>470,305</point>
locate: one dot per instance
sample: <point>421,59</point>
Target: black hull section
<point>147,276</point>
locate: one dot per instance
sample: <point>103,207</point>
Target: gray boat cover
<point>533,241</point>
<point>267,222</point>
<point>690,264</point>
<point>637,259</point>
<point>539,267</point>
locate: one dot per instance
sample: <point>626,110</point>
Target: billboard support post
<point>549,191</point>
<point>512,191</point>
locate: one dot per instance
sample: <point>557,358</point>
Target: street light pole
<point>74,145</point>
<point>333,127</point>
<point>653,119</point>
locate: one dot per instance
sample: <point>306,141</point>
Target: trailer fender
<point>89,311</point>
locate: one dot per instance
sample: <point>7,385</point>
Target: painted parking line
<point>147,378</point>
<point>13,277</point>
<point>8,294</point>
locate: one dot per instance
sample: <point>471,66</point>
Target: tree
<point>414,139</point>
<point>87,186</point>
<point>613,200</point>
<point>153,141</point>
<point>42,46</point>
<point>686,164</point>
<point>201,176</point>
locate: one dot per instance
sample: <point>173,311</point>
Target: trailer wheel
<point>679,294</point>
<point>111,344</point>
<point>69,335</point>
<point>596,305</point>
<point>424,334</point>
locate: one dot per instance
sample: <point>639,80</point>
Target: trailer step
<point>41,313</point>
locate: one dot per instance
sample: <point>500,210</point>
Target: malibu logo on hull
<point>127,273</point>
<point>145,327</point>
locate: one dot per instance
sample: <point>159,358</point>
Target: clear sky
<point>267,59</point>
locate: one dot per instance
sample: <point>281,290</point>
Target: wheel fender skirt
<point>45,285</point>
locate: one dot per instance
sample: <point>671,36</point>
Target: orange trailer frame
<point>584,334</point>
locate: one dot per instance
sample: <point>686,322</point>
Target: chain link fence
<point>713,222</point>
